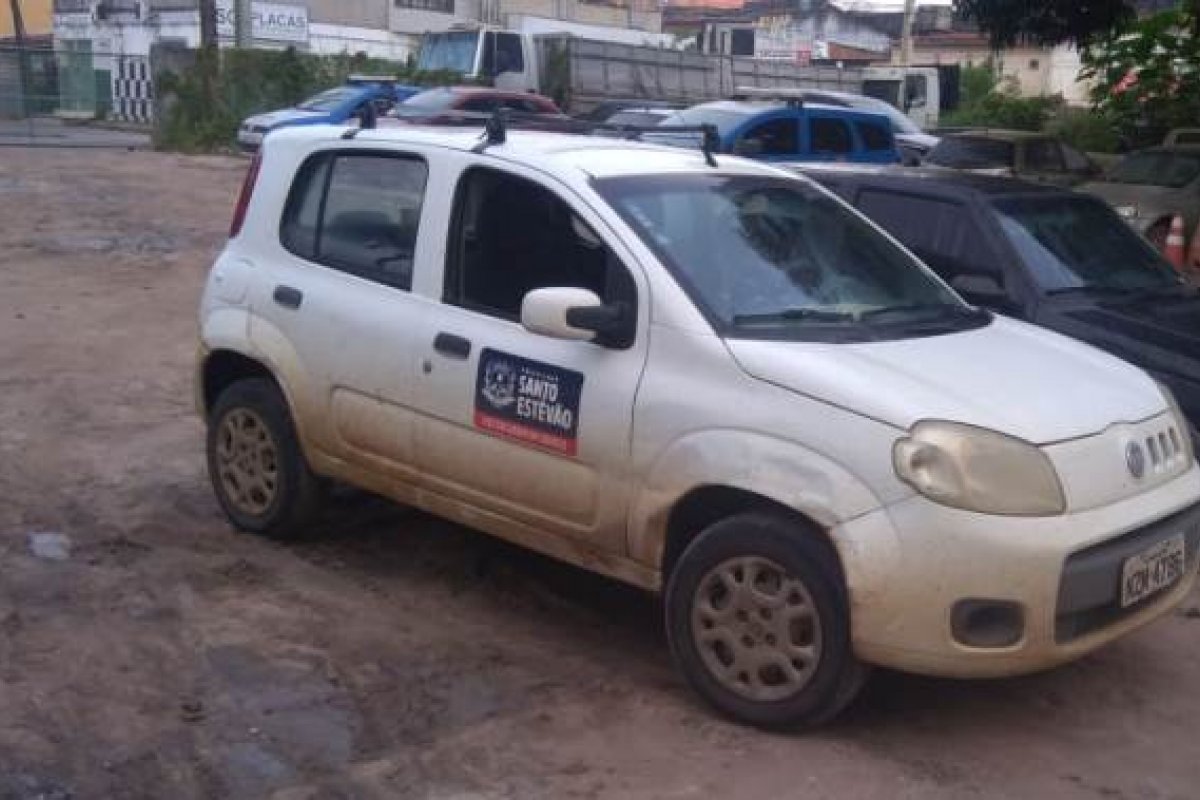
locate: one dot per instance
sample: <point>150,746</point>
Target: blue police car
<point>789,131</point>
<point>335,106</point>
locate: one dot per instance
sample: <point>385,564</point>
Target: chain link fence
<point>70,95</point>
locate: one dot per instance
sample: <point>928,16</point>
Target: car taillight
<point>243,203</point>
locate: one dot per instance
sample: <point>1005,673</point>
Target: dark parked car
<point>447,105</point>
<point>1020,154</point>
<point>1053,257</point>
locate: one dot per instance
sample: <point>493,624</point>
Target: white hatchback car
<point>717,382</point>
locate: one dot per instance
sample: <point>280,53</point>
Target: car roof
<point>1190,149</point>
<point>483,91</point>
<point>943,181</point>
<point>750,108</point>
<point>597,157</point>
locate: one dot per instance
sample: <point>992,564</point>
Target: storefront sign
<point>269,22</point>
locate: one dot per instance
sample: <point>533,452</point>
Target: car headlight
<point>1181,422</point>
<point>978,470</point>
<point>1126,212</point>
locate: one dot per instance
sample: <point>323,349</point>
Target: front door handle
<point>452,346</point>
<point>288,297</point>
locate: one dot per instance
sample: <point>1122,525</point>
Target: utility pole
<point>243,22</point>
<point>22,56</point>
<point>208,25</point>
<point>910,7</point>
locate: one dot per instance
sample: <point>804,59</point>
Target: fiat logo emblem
<point>1135,459</point>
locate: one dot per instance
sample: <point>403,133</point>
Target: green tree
<point>1046,22</point>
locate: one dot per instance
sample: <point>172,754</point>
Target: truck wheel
<point>257,468</point>
<point>758,623</point>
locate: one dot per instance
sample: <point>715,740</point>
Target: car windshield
<point>428,100</point>
<point>1157,168</point>
<point>451,52</point>
<point>777,258</point>
<point>900,123</point>
<point>329,100</point>
<point>1078,243</point>
<point>971,152</point>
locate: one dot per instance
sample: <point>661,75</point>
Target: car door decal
<point>528,401</point>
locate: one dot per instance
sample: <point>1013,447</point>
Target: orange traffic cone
<point>1173,251</point>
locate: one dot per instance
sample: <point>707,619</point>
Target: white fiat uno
<point>710,379</point>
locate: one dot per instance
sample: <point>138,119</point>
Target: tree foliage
<point>1045,22</point>
<point>1146,76</point>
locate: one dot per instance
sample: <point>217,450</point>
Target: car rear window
<point>972,152</point>
<point>938,231</point>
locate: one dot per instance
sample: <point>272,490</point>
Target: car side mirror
<point>979,287</point>
<point>564,312</point>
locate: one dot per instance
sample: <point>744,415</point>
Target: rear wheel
<point>255,462</point>
<point>759,624</point>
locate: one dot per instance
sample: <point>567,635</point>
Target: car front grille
<point>1089,592</point>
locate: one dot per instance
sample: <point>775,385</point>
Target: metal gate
<point>69,95</point>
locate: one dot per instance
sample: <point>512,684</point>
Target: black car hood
<point>1160,333</point>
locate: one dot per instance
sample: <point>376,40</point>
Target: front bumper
<point>907,566</point>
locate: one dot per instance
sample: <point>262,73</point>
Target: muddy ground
<point>397,656</point>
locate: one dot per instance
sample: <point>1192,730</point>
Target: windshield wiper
<point>919,311</point>
<point>794,315</point>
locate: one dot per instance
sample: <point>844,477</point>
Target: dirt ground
<point>396,656</point>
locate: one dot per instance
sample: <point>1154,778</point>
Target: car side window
<point>512,236</point>
<point>874,137</point>
<point>940,232</point>
<point>358,213</point>
<point>1043,155</point>
<point>830,136</point>
<point>502,53</point>
<point>775,137</point>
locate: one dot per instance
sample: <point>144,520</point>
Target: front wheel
<point>758,623</point>
<point>255,462</point>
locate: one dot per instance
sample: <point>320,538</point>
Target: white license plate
<point>1152,570</point>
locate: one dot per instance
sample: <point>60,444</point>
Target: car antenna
<point>495,131</point>
<point>366,121</point>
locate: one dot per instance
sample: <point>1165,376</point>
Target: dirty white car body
<point>682,427</point>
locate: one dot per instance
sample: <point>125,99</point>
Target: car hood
<point>1161,334</point>
<point>1127,194</point>
<point>285,115</point>
<point>1007,376</point>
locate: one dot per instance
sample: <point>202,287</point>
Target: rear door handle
<point>288,297</point>
<point>452,346</point>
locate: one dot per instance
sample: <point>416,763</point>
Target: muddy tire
<point>256,465</point>
<point>758,623</point>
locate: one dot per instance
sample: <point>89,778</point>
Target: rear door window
<point>972,152</point>
<point>358,213</point>
<point>874,137</point>
<point>830,136</point>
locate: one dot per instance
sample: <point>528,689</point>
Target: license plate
<point>1152,570</point>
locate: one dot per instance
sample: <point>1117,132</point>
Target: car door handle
<point>288,297</point>
<point>452,346</point>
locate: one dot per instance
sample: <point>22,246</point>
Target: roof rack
<point>496,125</point>
<point>793,97</point>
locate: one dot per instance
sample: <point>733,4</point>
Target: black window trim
<point>331,155</point>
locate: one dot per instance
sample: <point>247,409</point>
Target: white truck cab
<point>715,382</point>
